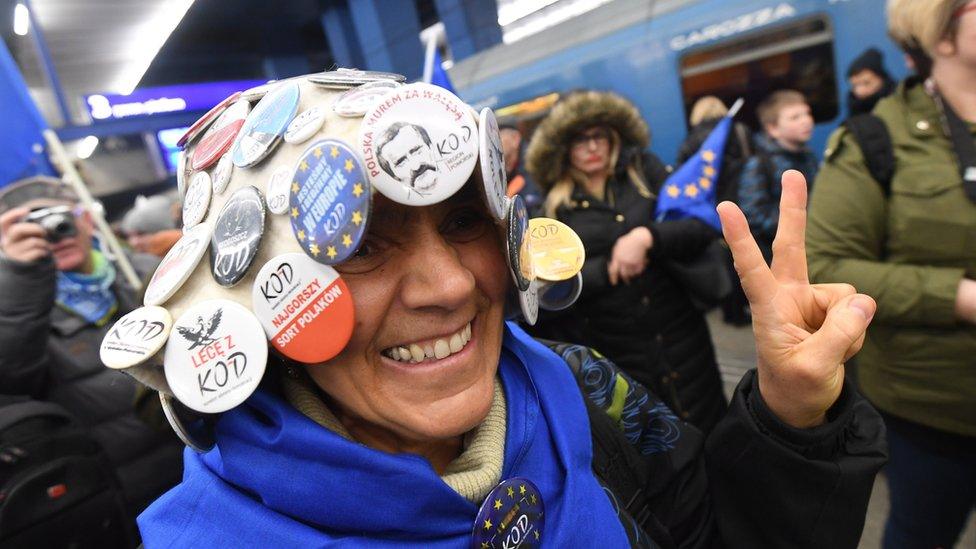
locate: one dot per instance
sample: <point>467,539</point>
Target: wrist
<point>789,409</point>
<point>965,307</point>
<point>645,237</point>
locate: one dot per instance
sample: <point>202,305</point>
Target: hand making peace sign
<point>804,333</point>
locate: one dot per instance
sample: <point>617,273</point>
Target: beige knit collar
<point>472,475</point>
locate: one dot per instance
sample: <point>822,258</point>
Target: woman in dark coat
<point>586,154</point>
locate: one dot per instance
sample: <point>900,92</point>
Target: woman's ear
<point>946,47</point>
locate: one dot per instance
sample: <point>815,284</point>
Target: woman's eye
<point>466,224</point>
<point>367,257</point>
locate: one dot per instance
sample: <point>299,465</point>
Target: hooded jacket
<point>649,327</point>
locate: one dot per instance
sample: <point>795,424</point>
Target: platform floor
<point>736,355</point>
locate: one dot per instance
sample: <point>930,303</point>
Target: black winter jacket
<point>648,327</point>
<point>50,354</point>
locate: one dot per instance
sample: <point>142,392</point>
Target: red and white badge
<point>221,174</point>
<point>305,307</point>
<point>279,187</point>
<point>136,337</point>
<point>204,121</point>
<point>305,125</point>
<point>419,143</point>
<point>177,265</point>
<point>215,356</point>
<point>221,135</point>
<point>197,199</point>
<point>356,102</point>
<point>494,178</point>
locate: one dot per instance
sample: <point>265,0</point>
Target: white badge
<point>136,337</point>
<point>181,162</point>
<point>177,265</point>
<point>529,303</point>
<point>222,173</point>
<point>356,102</point>
<point>215,356</point>
<point>419,143</point>
<point>197,199</point>
<point>495,181</point>
<point>279,186</point>
<point>305,125</point>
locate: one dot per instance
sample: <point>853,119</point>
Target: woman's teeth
<point>440,348</point>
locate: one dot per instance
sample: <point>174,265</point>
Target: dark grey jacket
<point>50,354</point>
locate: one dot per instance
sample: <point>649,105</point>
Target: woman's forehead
<point>388,214</point>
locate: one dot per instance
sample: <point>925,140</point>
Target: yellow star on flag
<point>294,212</point>
<point>691,190</point>
<point>673,191</point>
<point>511,492</point>
<point>303,166</point>
<point>705,183</point>
<point>346,240</point>
<point>487,524</point>
<point>498,504</point>
<point>484,545</point>
<point>334,152</point>
<point>294,186</point>
<point>708,156</point>
<point>331,252</point>
<point>536,535</point>
<point>532,499</point>
<point>314,248</point>
<point>301,235</point>
<point>317,152</point>
<point>357,189</point>
<point>348,165</point>
<point>357,217</point>
<point>521,489</point>
<point>708,171</point>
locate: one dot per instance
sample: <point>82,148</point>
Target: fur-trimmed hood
<point>550,143</point>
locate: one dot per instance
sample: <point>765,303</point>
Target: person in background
<point>519,182</point>
<point>586,153</point>
<point>150,226</point>
<point>787,126</point>
<point>705,115</point>
<point>869,82</point>
<point>60,296</point>
<point>908,243</point>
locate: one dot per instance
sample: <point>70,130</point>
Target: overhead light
<point>87,147</point>
<point>145,40</point>
<point>21,20</point>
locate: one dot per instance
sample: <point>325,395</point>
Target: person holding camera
<point>60,296</point>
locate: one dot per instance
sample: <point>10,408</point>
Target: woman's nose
<point>436,275</point>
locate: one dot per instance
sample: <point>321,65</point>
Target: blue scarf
<point>277,479</point>
<point>89,296</point>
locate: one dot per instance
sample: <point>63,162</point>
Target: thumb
<point>842,332</point>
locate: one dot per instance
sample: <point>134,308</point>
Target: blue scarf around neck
<point>89,296</point>
<point>277,479</point>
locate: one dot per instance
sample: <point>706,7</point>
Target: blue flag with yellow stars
<point>690,190</point>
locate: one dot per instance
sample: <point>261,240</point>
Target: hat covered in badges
<point>280,202</point>
<point>48,191</point>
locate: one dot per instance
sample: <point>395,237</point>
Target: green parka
<point>909,250</point>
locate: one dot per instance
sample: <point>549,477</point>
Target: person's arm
<point>25,306</point>
<point>846,238</point>
<point>754,199</point>
<point>680,239</point>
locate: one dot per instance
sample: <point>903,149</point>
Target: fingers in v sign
<point>804,333</point>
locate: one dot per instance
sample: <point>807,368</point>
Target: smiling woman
<point>396,404</point>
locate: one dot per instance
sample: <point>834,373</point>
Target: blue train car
<point>665,54</point>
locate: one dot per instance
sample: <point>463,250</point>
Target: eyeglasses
<point>600,137</point>
<point>970,6</point>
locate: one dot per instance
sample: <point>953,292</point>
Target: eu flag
<point>21,143</point>
<point>434,73</point>
<point>690,190</point>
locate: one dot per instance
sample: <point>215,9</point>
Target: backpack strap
<point>873,137</point>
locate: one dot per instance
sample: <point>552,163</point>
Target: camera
<point>58,222</point>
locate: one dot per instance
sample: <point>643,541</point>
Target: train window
<point>799,56</point>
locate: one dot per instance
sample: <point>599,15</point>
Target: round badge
<point>556,296</point>
<point>197,199</point>
<point>257,92</point>
<point>215,356</point>
<point>557,251</point>
<point>204,121</point>
<point>305,125</point>
<point>420,144</point>
<point>220,136</point>
<point>181,165</point>
<point>221,174</point>
<point>494,178</point>
<point>513,515</point>
<point>343,78</point>
<point>136,337</point>
<point>529,304</point>
<point>279,185</point>
<point>236,236</point>
<point>177,265</point>
<point>519,243</point>
<point>329,202</point>
<point>357,101</point>
<point>305,308</point>
<point>264,126</point>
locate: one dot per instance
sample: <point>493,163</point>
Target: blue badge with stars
<point>511,516</point>
<point>329,201</point>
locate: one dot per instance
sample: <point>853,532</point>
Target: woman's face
<point>589,150</point>
<point>427,281</point>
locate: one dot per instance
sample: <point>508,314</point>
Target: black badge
<point>237,235</point>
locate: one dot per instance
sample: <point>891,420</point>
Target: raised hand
<point>21,241</point>
<point>804,333</point>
